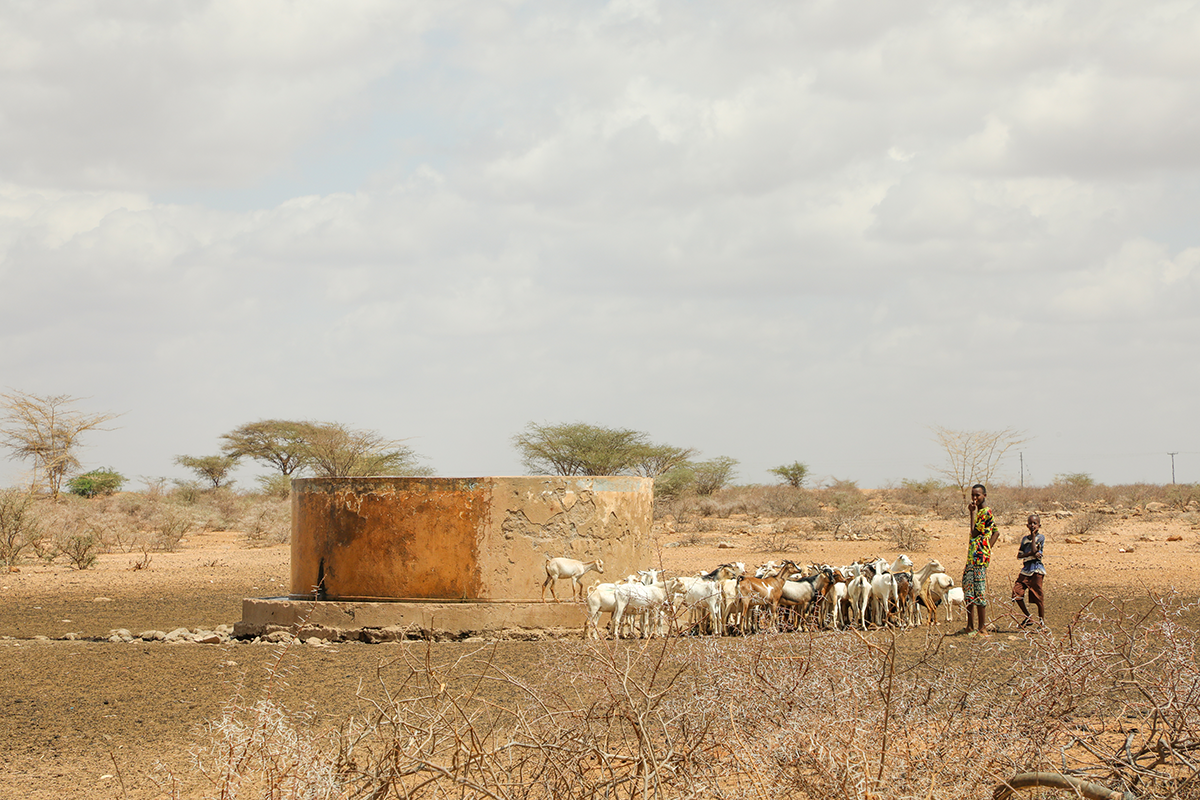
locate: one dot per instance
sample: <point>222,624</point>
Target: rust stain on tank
<point>388,537</point>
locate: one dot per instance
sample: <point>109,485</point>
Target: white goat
<point>557,568</point>
<point>858,592</point>
<point>883,588</point>
<point>600,598</point>
<point>649,599</point>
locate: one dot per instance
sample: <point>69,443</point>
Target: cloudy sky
<point>769,230</point>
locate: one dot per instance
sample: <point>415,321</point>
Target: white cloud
<point>771,231</point>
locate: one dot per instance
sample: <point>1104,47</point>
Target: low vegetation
<point>75,530</point>
<point>801,715</point>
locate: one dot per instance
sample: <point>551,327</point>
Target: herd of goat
<point>729,600</point>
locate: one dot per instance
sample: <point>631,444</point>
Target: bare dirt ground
<point>93,719</point>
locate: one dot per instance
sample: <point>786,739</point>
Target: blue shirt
<point>1031,550</point>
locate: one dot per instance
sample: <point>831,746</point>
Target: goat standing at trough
<point>884,592</point>
<point>650,599</point>
<point>800,594</point>
<point>760,592</point>
<point>557,568</point>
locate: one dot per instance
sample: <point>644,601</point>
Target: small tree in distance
<point>973,456</point>
<point>103,481</point>
<point>714,474</point>
<point>333,450</point>
<point>579,449</point>
<point>214,469</point>
<point>793,474</point>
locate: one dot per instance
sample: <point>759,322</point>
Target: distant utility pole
<point>1022,469</point>
<point>1172,455</point>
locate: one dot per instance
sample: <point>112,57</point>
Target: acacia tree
<point>333,450</point>
<point>973,456</point>
<point>46,430</point>
<point>577,448</point>
<point>656,460</point>
<point>714,474</point>
<point>279,443</point>
<point>793,474</point>
<point>215,469</point>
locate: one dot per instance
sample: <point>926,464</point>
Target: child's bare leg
<point>983,619</point>
<point>1020,601</point>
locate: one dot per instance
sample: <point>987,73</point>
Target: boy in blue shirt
<point>1032,571</point>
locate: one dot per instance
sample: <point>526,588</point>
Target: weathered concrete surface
<point>341,620</point>
<point>386,538</point>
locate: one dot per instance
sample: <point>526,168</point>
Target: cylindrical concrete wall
<point>393,538</point>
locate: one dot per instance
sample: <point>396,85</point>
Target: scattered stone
<point>152,636</point>
<point>278,637</point>
<point>673,544</point>
<point>724,546</point>
<point>225,630</point>
<point>1062,513</point>
<point>41,638</point>
<point>206,637</point>
<point>314,641</point>
<point>102,599</point>
<point>178,635</point>
<point>70,637</point>
<point>1156,507</point>
<point>1073,540</point>
<point>317,631</point>
<point>1174,537</point>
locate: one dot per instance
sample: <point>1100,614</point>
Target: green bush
<point>103,481</point>
<point>792,474</point>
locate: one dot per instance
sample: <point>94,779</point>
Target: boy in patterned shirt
<point>984,533</point>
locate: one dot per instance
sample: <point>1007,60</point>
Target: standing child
<point>984,533</point>
<point>1032,571</point>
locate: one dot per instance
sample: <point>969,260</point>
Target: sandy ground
<point>95,720</point>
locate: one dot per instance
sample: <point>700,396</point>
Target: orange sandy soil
<point>81,718</point>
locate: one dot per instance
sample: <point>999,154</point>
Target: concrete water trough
<point>379,557</point>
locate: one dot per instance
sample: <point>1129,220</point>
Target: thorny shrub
<point>1110,699</point>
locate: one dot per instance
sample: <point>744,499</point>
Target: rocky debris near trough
<point>310,635</point>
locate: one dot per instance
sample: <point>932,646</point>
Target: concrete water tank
<point>460,539</point>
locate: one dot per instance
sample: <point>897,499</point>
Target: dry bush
<point>816,715</point>
<point>691,539</point>
<point>930,496</point>
<point>761,501</point>
<point>267,522</point>
<point>169,525</point>
<point>1086,523</point>
<point>18,525</point>
<point>777,541</point>
<point>80,549</point>
<point>909,536</point>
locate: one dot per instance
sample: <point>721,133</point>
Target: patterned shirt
<point>979,548</point>
<point>1031,552</point>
